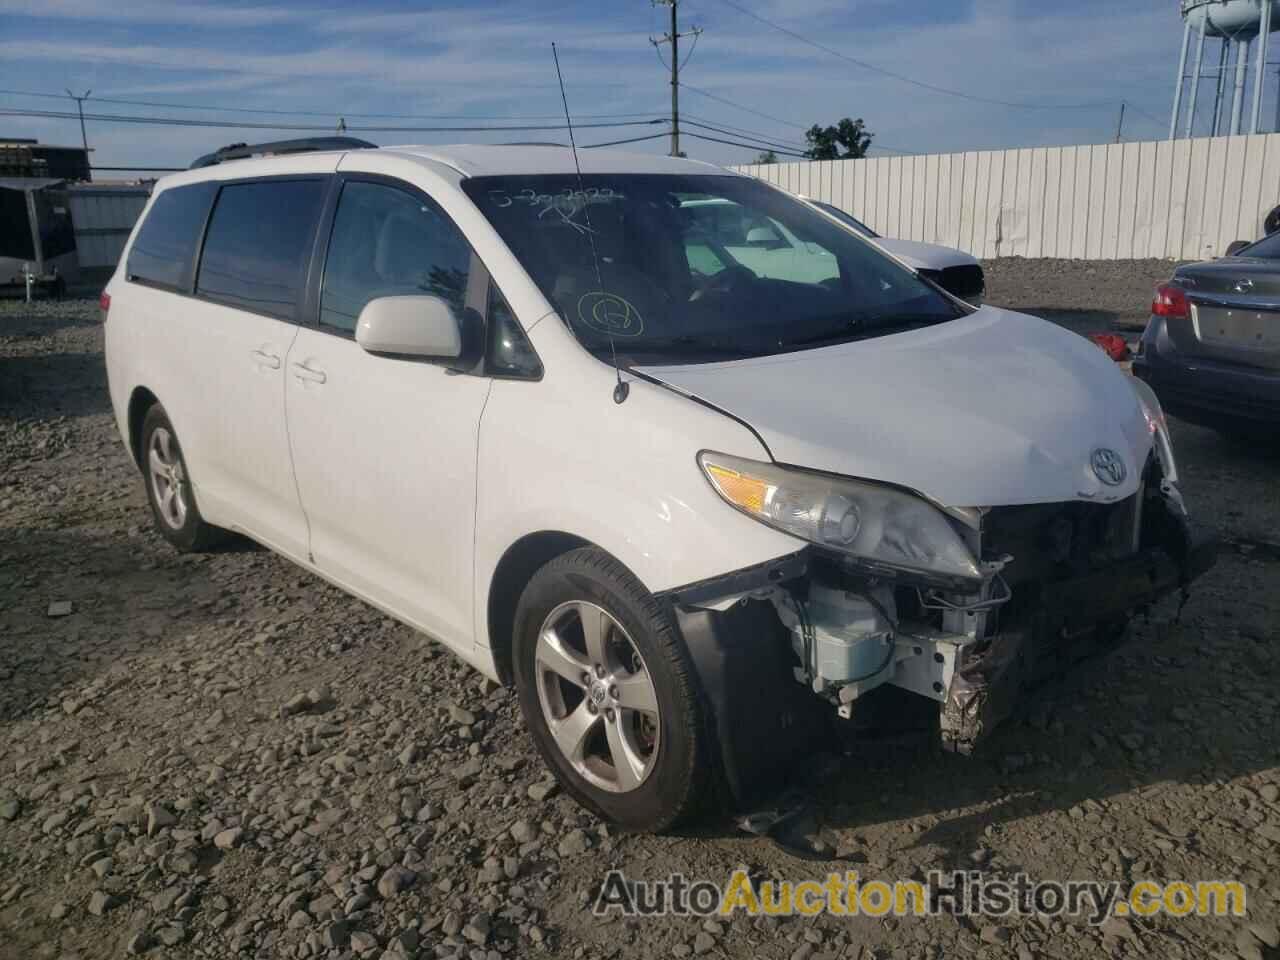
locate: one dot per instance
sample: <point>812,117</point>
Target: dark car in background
<point>1211,350</point>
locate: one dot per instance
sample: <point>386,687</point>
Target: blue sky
<point>492,59</point>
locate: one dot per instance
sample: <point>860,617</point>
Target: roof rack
<point>241,151</point>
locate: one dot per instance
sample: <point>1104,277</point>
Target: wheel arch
<point>514,571</point>
<point>140,401</point>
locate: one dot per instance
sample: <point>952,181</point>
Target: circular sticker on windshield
<point>610,314</point>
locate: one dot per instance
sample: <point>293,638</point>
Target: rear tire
<point>169,489</point>
<point>608,691</point>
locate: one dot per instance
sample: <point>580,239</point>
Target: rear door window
<point>258,245</point>
<point>388,242</point>
<point>165,247</point>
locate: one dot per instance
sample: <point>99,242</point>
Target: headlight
<point>879,526</point>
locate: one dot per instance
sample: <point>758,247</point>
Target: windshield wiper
<point>862,328</point>
<point>688,345</point>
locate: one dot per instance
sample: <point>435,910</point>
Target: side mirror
<point>421,326</point>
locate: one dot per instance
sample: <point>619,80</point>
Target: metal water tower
<point>1236,24</point>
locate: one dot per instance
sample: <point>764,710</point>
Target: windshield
<point>847,218</point>
<point>687,269</point>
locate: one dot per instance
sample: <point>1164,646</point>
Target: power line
<point>237,125</point>
<point>1146,116</point>
<point>776,148</point>
<point>746,131</point>
<point>730,129</point>
<point>614,143</point>
<point>790,144</point>
<point>319,113</point>
<point>585,146</point>
<point>738,106</point>
<point>738,143</point>
<point>766,144</point>
<point>911,80</point>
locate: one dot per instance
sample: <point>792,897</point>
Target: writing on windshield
<point>698,267</point>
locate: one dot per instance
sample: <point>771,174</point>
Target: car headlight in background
<point>880,526</point>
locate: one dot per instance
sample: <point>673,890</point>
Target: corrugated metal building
<point>103,215</point>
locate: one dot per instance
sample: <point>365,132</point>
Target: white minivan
<point>697,512</point>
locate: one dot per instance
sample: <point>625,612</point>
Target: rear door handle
<point>303,372</point>
<point>265,359</point>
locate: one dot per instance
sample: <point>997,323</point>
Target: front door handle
<point>303,372</point>
<point>262,358</point>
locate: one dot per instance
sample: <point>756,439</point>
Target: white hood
<point>995,408</point>
<point>926,256</point>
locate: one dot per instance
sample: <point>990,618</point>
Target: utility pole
<point>84,138</point>
<point>1276,128</point>
<point>673,38</point>
<point>1120,125</point>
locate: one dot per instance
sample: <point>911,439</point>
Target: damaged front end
<point>1056,582</point>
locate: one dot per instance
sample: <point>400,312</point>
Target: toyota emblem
<point>1108,466</point>
<point>1244,285</point>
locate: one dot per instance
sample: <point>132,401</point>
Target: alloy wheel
<point>168,479</point>
<point>597,696</point>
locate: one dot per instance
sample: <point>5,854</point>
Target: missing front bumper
<point>1069,622</point>
<point>744,654</point>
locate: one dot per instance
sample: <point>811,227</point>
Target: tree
<point>767,157</point>
<point>826,143</point>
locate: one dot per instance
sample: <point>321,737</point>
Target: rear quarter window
<point>164,250</point>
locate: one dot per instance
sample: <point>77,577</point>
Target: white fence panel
<point>1241,194</point>
<point>1038,171</point>
<point>1269,185</point>
<point>1183,199</point>
<point>981,210</point>
<point>1144,186</point>
<point>942,225</point>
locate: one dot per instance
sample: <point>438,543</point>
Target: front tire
<point>169,489</point>
<point>608,692</point>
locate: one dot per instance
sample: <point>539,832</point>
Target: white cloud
<point>483,59</point>
<point>151,11</point>
<point>455,67</point>
<point>175,88</point>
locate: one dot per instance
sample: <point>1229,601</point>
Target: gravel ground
<point>221,756</point>
<point>1088,296</point>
